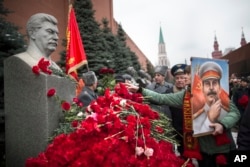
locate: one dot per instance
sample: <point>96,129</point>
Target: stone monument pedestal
<point>30,116</point>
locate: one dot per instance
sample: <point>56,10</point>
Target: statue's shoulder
<point>23,57</point>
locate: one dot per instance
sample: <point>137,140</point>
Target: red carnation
<point>74,123</point>
<point>159,129</point>
<point>44,66</point>
<point>65,106</point>
<point>36,70</point>
<point>75,100</point>
<point>51,92</point>
<point>111,71</point>
<point>106,71</point>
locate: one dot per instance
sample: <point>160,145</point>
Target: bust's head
<point>42,31</point>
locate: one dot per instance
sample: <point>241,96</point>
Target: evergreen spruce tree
<point>135,61</point>
<point>150,69</point>
<point>130,54</point>
<point>94,43</point>
<point>123,54</point>
<point>11,41</point>
<point>110,44</point>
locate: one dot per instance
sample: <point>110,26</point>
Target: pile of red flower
<point>117,131</point>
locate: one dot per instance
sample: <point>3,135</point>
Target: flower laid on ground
<point>114,131</point>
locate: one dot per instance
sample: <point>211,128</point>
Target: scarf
<point>191,145</point>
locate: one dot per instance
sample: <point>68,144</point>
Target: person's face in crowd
<point>233,76</point>
<point>159,79</point>
<point>187,79</point>
<point>46,37</point>
<point>180,80</point>
<point>235,82</point>
<point>244,84</point>
<point>127,81</point>
<point>238,81</point>
<point>211,89</point>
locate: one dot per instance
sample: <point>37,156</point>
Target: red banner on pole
<point>75,53</point>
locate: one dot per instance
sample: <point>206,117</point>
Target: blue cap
<point>178,69</point>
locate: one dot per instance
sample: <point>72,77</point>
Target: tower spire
<point>161,40</point>
<point>216,45</point>
<point>216,53</point>
<point>162,55</point>
<point>243,40</point>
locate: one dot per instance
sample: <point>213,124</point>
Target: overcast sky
<point>188,26</point>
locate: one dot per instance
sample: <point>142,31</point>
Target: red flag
<point>198,99</point>
<point>75,54</point>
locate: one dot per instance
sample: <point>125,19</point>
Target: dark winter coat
<point>87,96</point>
<point>243,139</point>
<point>160,89</point>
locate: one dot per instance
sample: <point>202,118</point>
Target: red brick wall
<point>59,8</point>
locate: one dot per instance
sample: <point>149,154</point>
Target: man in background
<point>159,85</point>
<point>88,93</point>
<point>180,77</point>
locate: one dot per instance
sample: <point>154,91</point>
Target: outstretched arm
<point>171,99</point>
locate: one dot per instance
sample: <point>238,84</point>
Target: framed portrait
<point>210,93</point>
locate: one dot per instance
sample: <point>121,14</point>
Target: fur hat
<point>89,78</point>
<point>161,70</point>
<point>119,78</point>
<point>127,77</point>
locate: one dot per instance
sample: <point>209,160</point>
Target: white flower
<point>123,103</point>
<point>89,109</point>
<point>80,114</point>
<point>139,150</point>
<point>92,115</point>
<point>149,152</point>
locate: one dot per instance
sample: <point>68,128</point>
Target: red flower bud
<point>65,106</point>
<point>74,124</point>
<point>36,70</point>
<point>51,92</point>
<point>75,100</point>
